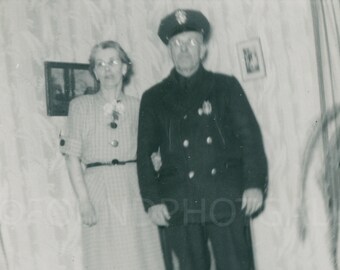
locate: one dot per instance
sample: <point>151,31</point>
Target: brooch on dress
<point>113,110</point>
<point>206,108</point>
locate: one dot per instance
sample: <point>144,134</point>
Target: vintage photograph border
<point>251,59</point>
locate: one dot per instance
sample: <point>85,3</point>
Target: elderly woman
<point>102,135</point>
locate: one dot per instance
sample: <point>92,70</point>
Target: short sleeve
<point>72,142</point>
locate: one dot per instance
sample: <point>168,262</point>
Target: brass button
<point>191,174</point>
<point>213,171</point>
<point>200,111</point>
<point>185,143</point>
<point>209,140</point>
<point>114,143</point>
<point>185,117</point>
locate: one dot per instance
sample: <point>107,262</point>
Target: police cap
<point>183,20</point>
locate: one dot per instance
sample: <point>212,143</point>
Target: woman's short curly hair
<point>122,54</point>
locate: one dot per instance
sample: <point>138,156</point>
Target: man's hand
<point>252,200</point>
<point>159,214</point>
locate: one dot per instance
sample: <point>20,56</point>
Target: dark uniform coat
<point>210,144</point>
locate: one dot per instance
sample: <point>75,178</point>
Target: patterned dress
<point>124,237</point>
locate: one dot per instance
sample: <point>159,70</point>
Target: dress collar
<point>103,100</point>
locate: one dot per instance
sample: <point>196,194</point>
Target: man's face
<point>186,50</point>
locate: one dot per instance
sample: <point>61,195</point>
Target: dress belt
<point>113,162</point>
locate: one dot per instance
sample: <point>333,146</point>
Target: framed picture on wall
<point>65,81</point>
<point>251,59</point>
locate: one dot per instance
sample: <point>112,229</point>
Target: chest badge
<point>206,108</point>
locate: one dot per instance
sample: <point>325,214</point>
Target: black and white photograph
<point>169,135</point>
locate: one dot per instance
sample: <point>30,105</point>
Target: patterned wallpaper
<point>39,219</point>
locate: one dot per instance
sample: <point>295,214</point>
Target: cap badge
<point>181,16</point>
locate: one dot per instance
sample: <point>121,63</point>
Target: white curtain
<point>323,170</point>
<point>326,20</point>
<point>38,215</point>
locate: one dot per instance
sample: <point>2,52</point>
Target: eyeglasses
<point>189,43</point>
<point>103,65</point>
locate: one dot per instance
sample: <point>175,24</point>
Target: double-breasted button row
<point>185,143</point>
<point>191,174</point>
<point>209,140</point>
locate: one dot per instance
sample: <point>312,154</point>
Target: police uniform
<point>211,149</point>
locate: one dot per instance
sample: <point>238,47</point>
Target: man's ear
<point>203,51</point>
<point>169,51</point>
<point>95,75</point>
<point>124,69</point>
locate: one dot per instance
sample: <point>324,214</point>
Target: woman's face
<point>109,68</point>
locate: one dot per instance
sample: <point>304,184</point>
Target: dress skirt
<point>124,237</point>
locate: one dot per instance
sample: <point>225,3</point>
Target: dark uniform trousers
<point>230,245</point>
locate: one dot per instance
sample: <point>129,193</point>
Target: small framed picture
<point>65,81</point>
<point>251,59</point>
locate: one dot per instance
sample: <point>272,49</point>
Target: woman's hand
<point>87,212</point>
<point>156,161</point>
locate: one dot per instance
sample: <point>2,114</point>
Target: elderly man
<point>214,168</point>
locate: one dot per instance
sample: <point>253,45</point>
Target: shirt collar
<point>187,83</point>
